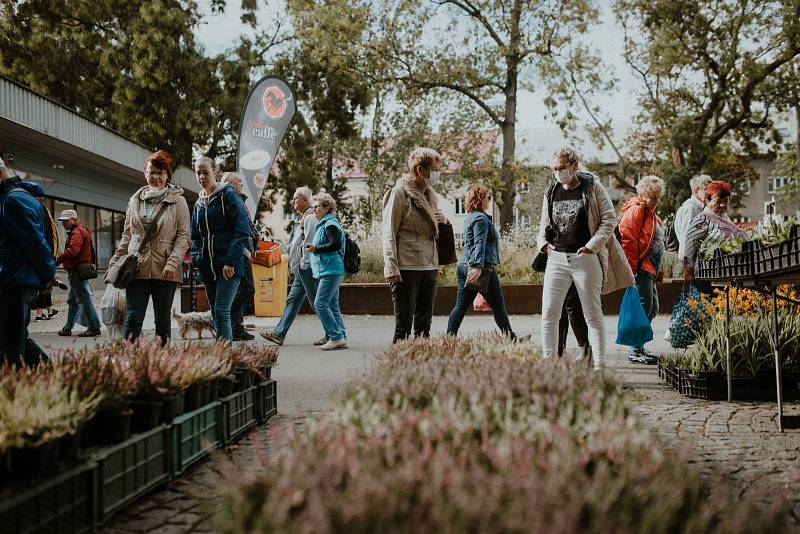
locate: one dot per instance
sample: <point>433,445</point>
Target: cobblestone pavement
<point>736,445</point>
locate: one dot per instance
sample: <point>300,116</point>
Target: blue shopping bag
<point>633,327</point>
<point>686,319</point>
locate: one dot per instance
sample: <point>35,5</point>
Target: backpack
<point>352,255</point>
<point>670,236</point>
<point>50,230</point>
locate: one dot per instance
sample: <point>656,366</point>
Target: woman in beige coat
<point>410,258</point>
<point>577,233</point>
<point>159,263</point>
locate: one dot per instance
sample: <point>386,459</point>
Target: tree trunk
<point>507,170</point>
<point>797,127</point>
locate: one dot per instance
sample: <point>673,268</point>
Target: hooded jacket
<point>169,242</point>
<point>409,228</point>
<point>25,255</point>
<point>220,231</point>
<point>637,229</point>
<point>602,221</point>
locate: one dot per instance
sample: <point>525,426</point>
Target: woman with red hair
<point>159,212</point>
<point>713,225</point>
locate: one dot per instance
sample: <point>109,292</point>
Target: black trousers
<point>413,299</point>
<point>16,346</point>
<point>572,314</point>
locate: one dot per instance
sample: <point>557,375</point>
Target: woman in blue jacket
<point>220,230</point>
<point>481,254</point>
<point>327,265</point>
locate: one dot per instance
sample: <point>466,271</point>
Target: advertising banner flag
<point>266,116</point>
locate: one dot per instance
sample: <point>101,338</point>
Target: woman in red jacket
<point>642,238</point>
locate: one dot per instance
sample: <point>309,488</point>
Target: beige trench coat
<point>167,246</point>
<point>602,222</point>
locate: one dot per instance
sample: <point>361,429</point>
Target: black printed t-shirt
<point>570,222</point>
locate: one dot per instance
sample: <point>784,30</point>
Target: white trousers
<point>584,270</point>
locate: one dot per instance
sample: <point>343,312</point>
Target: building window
<point>105,236</point>
<point>461,207</point>
<point>775,183</point>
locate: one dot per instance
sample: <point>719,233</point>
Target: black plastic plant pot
<point>244,379</point>
<point>28,462</point>
<point>267,372</point>
<point>172,407</point>
<point>213,390</point>
<point>113,426</point>
<point>191,398</point>
<point>205,393</point>
<point>71,445</point>
<point>226,386</point>
<point>53,454</point>
<point>146,414</point>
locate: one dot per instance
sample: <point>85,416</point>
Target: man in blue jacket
<point>26,265</point>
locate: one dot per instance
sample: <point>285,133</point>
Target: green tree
<point>707,68</point>
<point>482,52</point>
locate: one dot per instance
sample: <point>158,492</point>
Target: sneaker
<point>90,333</point>
<point>321,341</point>
<point>335,345</point>
<point>243,336</point>
<point>637,356</point>
<point>40,318</point>
<point>272,336</point>
<point>650,358</point>
<point>52,314</point>
<point>64,332</point>
<point>667,335</point>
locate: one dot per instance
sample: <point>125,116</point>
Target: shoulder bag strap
<point>151,231</point>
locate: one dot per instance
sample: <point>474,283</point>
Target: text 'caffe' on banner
<point>267,112</point>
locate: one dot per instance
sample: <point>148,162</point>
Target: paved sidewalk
<point>735,444</point>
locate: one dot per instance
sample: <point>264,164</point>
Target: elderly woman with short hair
<point>576,231</point>
<point>410,258</point>
<point>711,224</point>
<point>327,266</point>
<point>642,238</point>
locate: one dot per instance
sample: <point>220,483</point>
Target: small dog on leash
<point>197,321</point>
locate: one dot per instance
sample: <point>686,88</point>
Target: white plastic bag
<point>110,311</point>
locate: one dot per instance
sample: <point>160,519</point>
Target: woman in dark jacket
<point>220,230</point>
<point>481,253</point>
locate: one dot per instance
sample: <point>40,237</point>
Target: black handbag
<point>88,271</point>
<point>482,283</point>
<point>539,262</point>
<point>446,244</point>
<point>121,274</point>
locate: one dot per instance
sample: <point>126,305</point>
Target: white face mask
<point>434,177</point>
<point>564,176</point>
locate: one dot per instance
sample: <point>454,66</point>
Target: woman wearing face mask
<point>161,204</point>
<point>576,231</point>
<point>712,224</point>
<point>220,231</point>
<point>410,259</point>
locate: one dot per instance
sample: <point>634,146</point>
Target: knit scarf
<point>425,201</point>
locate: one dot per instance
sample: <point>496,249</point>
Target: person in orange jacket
<point>642,238</point>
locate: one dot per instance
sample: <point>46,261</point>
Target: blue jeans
<point>16,345</point>
<point>137,294</point>
<point>303,286</point>
<point>80,295</point>
<point>464,298</point>
<point>243,299</point>
<point>326,304</point>
<point>220,293</point>
<point>648,293</point>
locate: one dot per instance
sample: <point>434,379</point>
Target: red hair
<point>719,188</point>
<point>475,196</point>
<point>162,161</point>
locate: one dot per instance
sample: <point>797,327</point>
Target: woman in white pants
<point>577,233</point>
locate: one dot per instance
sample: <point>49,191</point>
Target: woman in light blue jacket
<point>327,265</point>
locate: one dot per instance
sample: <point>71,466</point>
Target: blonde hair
<point>424,157</point>
<point>228,176</point>
<point>325,200</point>
<point>206,159</point>
<point>475,196</point>
<point>573,156</point>
<point>650,186</point>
